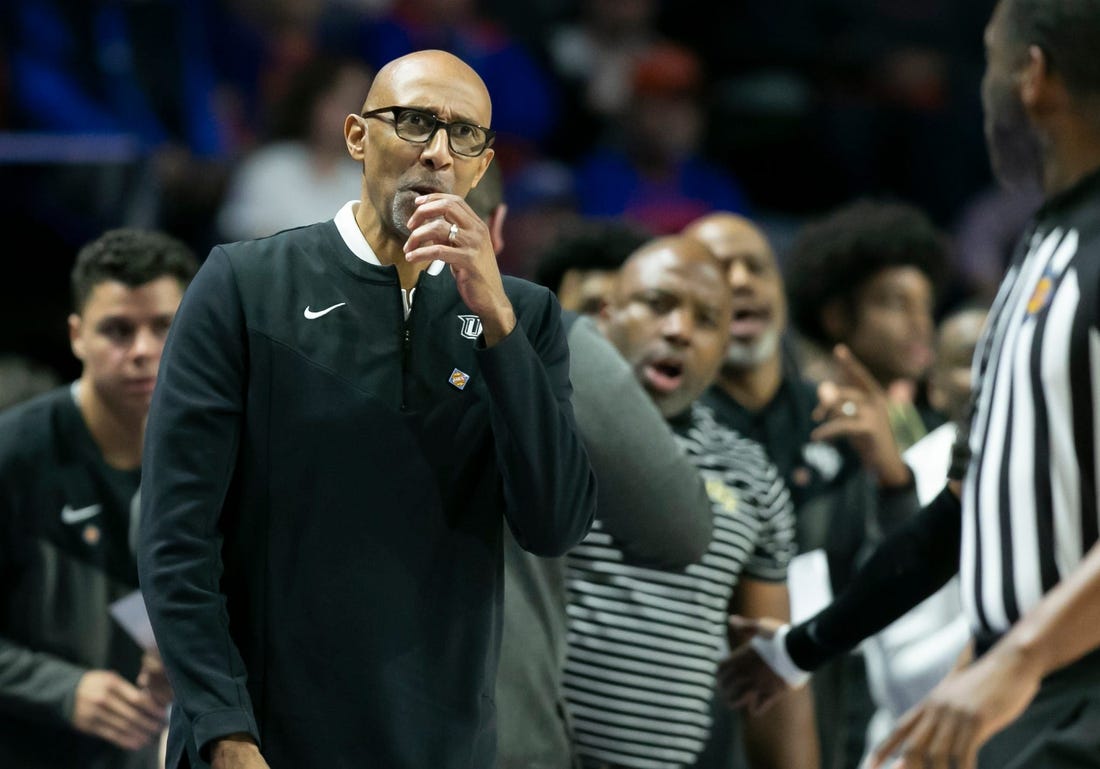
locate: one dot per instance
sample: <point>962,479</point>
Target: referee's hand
<point>970,705</point>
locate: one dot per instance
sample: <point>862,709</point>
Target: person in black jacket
<point>76,691</point>
<point>330,464</point>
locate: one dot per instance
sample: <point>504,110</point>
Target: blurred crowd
<point>218,120</point>
<point>829,153</point>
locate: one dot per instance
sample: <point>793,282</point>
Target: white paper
<point>129,611</point>
<point>808,584</point>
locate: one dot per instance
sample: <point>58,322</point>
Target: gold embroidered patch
<point>459,379</point>
<point>721,494</point>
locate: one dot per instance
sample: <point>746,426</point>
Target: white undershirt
<point>353,238</point>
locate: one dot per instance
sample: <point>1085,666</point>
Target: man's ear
<point>355,136</point>
<point>496,226</point>
<point>603,318</point>
<point>569,289</point>
<point>76,342</point>
<point>1040,89</point>
<point>484,160</point>
<point>607,308</point>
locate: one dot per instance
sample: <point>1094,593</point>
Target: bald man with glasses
<point>330,464</point>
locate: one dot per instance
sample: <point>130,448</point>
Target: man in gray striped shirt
<point>1022,526</point>
<point>644,642</point>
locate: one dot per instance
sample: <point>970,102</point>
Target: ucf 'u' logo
<point>471,326</point>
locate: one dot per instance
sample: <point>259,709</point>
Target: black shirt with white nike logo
<point>65,555</point>
<point>324,498</point>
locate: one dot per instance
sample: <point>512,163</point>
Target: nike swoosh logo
<point>311,315</point>
<point>69,515</point>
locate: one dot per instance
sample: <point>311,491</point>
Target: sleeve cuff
<point>774,652</point>
<point>221,723</point>
<point>69,679</point>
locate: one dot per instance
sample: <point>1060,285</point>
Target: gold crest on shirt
<point>722,495</point>
<point>459,379</point>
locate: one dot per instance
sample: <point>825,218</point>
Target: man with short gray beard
<point>762,394</point>
<point>348,416</point>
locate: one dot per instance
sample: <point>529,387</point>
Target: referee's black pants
<point>1060,728</point>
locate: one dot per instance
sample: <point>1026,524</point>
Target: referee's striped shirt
<point>1030,496</point>
<point>644,643</point>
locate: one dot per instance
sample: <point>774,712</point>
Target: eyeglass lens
<point>417,126</point>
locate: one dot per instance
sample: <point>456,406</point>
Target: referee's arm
<point>912,563</point>
<point>973,703</point>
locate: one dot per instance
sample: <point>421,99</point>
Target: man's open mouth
<point>664,375</point>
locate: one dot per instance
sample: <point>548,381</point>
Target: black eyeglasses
<point>419,126</point>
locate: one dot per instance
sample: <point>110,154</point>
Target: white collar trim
<point>358,245</point>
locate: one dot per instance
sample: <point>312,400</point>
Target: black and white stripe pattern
<point>1029,497</point>
<point>644,643</point>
